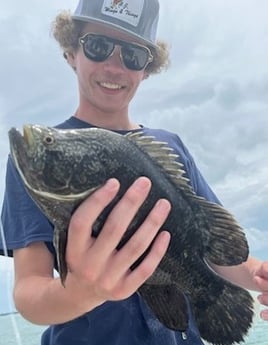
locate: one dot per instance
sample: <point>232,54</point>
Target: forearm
<point>241,275</point>
<point>45,301</point>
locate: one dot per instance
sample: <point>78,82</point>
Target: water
<point>30,334</point>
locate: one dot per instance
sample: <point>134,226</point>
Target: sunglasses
<point>99,48</point>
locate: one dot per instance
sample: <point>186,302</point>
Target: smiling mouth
<point>111,86</point>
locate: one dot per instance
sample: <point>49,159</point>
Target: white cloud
<point>215,95</point>
<point>257,239</point>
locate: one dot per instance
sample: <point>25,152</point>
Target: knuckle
<point>136,247</point>
<point>106,286</point>
<point>155,220</point>
<point>111,224</point>
<point>71,258</point>
<point>135,196</point>
<point>97,197</point>
<point>117,294</point>
<point>146,270</point>
<point>91,276</point>
<point>76,222</point>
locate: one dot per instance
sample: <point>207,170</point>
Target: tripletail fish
<point>62,167</point>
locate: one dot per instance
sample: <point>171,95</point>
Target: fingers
<point>96,262</point>
<point>83,218</point>
<point>119,282</point>
<point>149,263</point>
<point>263,299</point>
<point>143,237</point>
<point>261,279</point>
<point>122,214</point>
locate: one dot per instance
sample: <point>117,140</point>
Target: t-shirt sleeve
<point>200,185</point>
<point>23,222</point>
<point>197,181</point>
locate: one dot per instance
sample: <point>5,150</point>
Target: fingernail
<point>112,184</point>
<point>142,183</point>
<point>264,314</point>
<point>163,205</point>
<point>259,298</point>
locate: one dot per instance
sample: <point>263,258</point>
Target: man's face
<point>106,86</point>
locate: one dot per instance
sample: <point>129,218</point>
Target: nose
<point>114,60</point>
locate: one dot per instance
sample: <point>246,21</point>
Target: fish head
<point>62,162</point>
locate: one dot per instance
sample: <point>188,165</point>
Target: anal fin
<point>168,304</point>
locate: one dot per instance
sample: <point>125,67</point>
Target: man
<point>112,47</point>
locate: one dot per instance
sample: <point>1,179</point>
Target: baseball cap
<point>138,18</point>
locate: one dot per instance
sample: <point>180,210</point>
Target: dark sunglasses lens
<point>134,57</point>
<point>97,48</point>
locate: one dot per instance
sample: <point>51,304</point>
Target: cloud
<point>215,94</point>
<point>257,240</point>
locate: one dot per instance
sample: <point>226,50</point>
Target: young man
<point>112,47</point>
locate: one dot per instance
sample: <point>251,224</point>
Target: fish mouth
<point>28,135</point>
<point>20,147</point>
<point>18,141</point>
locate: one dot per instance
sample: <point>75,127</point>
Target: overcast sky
<point>215,94</point>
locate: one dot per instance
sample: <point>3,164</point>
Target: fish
<point>62,167</point>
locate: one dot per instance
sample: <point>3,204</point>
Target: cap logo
<point>127,11</point>
<point>116,2</point>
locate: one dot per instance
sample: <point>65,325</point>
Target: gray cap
<point>138,18</point>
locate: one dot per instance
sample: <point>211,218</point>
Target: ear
<point>70,58</point>
<point>145,75</point>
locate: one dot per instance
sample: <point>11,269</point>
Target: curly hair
<point>67,32</point>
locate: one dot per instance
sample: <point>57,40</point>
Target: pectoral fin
<point>60,242</point>
<point>168,304</point>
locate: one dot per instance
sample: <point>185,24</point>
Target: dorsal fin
<point>222,225</point>
<point>164,157</point>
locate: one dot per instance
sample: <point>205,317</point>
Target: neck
<point>113,121</point>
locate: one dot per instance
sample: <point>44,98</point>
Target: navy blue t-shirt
<point>113,323</point>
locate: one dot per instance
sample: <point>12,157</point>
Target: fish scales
<point>60,168</point>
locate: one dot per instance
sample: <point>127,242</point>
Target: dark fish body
<point>60,168</point>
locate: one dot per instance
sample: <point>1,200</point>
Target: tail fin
<point>228,318</point>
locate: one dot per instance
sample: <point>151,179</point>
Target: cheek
<point>80,61</point>
<point>137,78</point>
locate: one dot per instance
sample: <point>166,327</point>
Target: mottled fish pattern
<point>60,168</point>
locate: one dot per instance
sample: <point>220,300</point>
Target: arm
<point>251,275</point>
<point>97,271</point>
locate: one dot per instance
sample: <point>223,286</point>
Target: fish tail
<point>228,318</point>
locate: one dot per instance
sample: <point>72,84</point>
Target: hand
<point>94,263</point>
<point>261,279</point>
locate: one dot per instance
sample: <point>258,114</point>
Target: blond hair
<point>67,32</point>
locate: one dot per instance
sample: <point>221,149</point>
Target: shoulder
<point>172,139</point>
<point>174,142</point>
<point>196,179</point>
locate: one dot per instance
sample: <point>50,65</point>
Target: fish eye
<point>48,139</point>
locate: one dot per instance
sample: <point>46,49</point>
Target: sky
<point>214,95</point>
